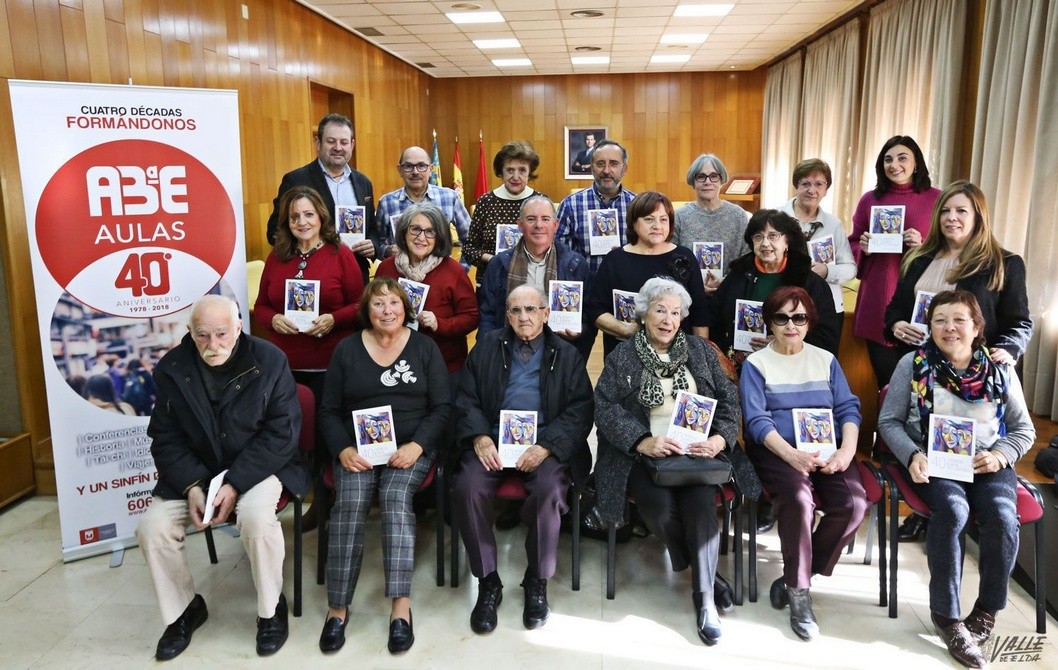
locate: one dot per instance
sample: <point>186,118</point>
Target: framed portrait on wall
<point>579,143</point>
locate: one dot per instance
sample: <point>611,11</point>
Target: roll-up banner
<point>133,200</point>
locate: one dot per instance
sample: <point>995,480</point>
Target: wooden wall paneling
<point>118,52</point>
<point>22,34</point>
<point>96,41</point>
<point>7,56</point>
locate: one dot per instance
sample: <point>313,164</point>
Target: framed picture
<point>579,143</point>
<point>743,185</point>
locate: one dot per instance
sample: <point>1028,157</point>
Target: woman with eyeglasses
<point>634,399</point>
<point>788,374</point>
<point>450,312</point>
<point>833,262</point>
<point>515,163</point>
<point>308,247</point>
<point>650,252</point>
<point>709,218</point>
<point>904,184</point>
<point>954,374</point>
<point>779,259</point>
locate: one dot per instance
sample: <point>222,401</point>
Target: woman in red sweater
<point>308,248</point>
<point>450,311</point>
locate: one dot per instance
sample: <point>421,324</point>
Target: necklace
<point>304,262</point>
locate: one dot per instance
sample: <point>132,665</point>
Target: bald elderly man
<point>226,402</point>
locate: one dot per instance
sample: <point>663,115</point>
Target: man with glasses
<point>522,367</point>
<point>336,182</point>
<point>535,260</point>
<point>414,169</point>
<point>609,162</point>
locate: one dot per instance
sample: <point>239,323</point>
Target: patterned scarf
<point>519,272</point>
<point>650,393</point>
<point>983,381</point>
<point>418,271</point>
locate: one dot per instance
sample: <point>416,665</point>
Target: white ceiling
<point>629,32</point>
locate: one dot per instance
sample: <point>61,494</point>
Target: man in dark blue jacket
<point>226,404</point>
<point>535,260</point>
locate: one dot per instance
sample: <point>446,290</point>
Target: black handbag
<point>687,471</point>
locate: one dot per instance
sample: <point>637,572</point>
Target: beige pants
<point>161,536</point>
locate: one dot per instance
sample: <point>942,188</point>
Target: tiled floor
<point>87,615</point>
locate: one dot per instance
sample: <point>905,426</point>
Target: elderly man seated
<point>535,260</point>
<point>227,403</point>
<point>523,367</point>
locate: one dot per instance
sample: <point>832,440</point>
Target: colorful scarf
<point>650,393</point>
<point>519,272</point>
<point>982,381</point>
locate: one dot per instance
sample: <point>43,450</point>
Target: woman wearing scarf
<point>634,400</point>
<point>450,313</point>
<point>788,374</point>
<point>953,374</point>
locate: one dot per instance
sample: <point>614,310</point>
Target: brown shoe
<point>979,624</point>
<point>959,643</point>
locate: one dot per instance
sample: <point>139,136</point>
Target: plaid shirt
<point>573,223</point>
<point>395,202</point>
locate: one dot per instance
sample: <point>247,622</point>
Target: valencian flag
<point>435,168</point>
<point>482,185</point>
<point>457,173</point>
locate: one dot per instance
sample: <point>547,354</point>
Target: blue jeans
<point>992,499</point>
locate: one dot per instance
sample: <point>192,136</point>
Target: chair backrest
<point>307,438</point>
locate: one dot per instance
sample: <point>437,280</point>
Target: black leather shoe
<point>802,618</point>
<point>913,528</point>
<point>333,636</point>
<point>401,635</point>
<point>979,624</point>
<point>723,596</point>
<point>483,616</point>
<point>708,621</point>
<point>961,647</point>
<point>272,632</point>
<point>765,517</point>
<point>177,635</point>
<point>777,594</point>
<point>536,610</point>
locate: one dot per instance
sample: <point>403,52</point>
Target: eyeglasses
<point>415,167</point>
<point>772,237</point>
<point>602,165</point>
<point>528,310</point>
<point>415,231</point>
<point>958,322</point>
<point>701,177</point>
<point>781,319</point>
<point>805,185</point>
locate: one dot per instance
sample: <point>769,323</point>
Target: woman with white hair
<point>709,218</point>
<point>634,399</point>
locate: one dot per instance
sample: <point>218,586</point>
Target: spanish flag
<point>482,185</point>
<point>457,174</point>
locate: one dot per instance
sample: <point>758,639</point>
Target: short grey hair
<point>536,197</point>
<point>214,300</point>
<point>657,288</point>
<point>528,288</point>
<point>437,219</point>
<point>700,162</point>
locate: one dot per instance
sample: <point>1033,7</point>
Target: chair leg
<point>454,557</point>
<point>894,515</point>
<point>576,538</point>
<point>870,534</point>
<point>725,530</point>
<point>1039,575</point>
<point>439,523</point>
<point>297,557</point>
<point>211,546</point>
<point>324,504</point>
<point>736,511</point>
<point>883,594</point>
<point>611,560</point>
<point>751,567</point>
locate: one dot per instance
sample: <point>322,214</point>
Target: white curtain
<point>1015,162</point>
<point>830,121</point>
<point>911,82</point>
<point>781,145</point>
